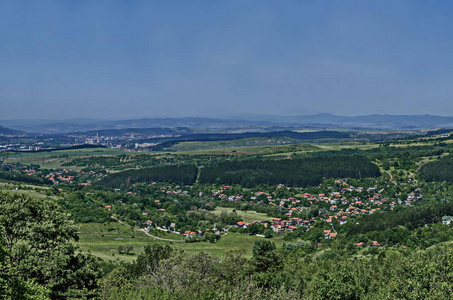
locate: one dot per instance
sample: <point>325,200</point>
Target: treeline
<point>76,147</point>
<point>184,174</point>
<point>440,170</point>
<point>294,172</point>
<point>163,272</point>
<point>12,176</point>
<point>411,217</point>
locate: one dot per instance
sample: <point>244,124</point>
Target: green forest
<point>184,174</point>
<point>294,172</point>
<point>440,170</point>
<point>248,173</point>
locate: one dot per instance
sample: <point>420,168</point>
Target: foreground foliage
<point>38,255</point>
<point>162,272</point>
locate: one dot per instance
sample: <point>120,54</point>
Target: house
<point>447,220</point>
<point>292,228</point>
<point>328,234</point>
<point>242,224</point>
<point>332,235</point>
<point>189,234</point>
<point>148,224</point>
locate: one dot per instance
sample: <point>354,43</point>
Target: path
<point>390,174</point>
<point>158,238</point>
<point>146,232</point>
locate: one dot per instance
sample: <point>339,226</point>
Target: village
<point>333,209</point>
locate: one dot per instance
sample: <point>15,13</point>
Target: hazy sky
<point>129,59</point>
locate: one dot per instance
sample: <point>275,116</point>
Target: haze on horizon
<point>135,59</point>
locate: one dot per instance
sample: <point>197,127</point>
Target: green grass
<point>348,145</point>
<point>32,190</point>
<point>231,241</point>
<point>197,148</point>
<point>247,216</point>
<point>239,143</point>
<point>55,159</point>
<point>250,150</point>
<point>103,240</point>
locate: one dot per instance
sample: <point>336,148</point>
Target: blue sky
<point>133,59</point>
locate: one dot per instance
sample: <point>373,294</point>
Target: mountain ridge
<point>321,120</point>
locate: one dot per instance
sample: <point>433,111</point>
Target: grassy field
<point>351,145</point>
<point>239,143</point>
<point>277,150</point>
<point>31,190</point>
<point>55,159</point>
<point>247,216</point>
<point>231,241</point>
<point>261,150</point>
<point>103,241</point>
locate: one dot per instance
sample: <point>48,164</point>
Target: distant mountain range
<point>9,131</point>
<point>248,122</point>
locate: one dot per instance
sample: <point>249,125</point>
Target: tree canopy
<point>37,249</point>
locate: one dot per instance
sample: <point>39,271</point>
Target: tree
<point>38,241</point>
<point>210,237</point>
<point>268,233</point>
<point>148,260</point>
<point>125,249</point>
<point>264,256</point>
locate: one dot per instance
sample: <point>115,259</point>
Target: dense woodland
<point>440,170</point>
<point>185,174</point>
<point>18,177</point>
<point>294,172</point>
<point>248,173</point>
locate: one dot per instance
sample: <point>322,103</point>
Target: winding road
<point>147,233</point>
<point>158,238</point>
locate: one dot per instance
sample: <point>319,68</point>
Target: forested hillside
<point>24,178</point>
<point>440,170</point>
<point>185,174</point>
<point>294,172</point>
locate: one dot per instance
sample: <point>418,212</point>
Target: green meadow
<point>103,241</point>
<point>247,216</point>
<point>55,159</point>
